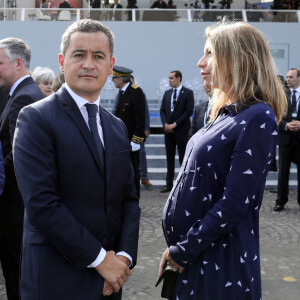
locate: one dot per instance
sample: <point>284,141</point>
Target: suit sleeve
<point>2,176</point>
<point>18,103</point>
<point>193,126</point>
<point>37,176</point>
<point>147,115</point>
<point>139,115</point>
<point>189,107</point>
<point>162,112</point>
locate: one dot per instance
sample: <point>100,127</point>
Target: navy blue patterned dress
<point>210,220</point>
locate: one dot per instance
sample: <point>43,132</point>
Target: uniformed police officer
<point>130,108</point>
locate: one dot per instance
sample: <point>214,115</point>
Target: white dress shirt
<point>178,89</point>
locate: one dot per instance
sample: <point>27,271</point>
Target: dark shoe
<point>166,189</point>
<point>278,207</point>
<point>146,182</point>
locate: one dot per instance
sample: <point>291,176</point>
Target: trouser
<point>171,141</point>
<point>287,154</point>
<point>135,160</point>
<point>10,257</point>
<point>143,163</point>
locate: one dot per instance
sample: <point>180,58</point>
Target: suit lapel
<point>23,83</point>
<point>74,113</point>
<point>104,117</point>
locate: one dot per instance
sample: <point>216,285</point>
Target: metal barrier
<point>150,15</point>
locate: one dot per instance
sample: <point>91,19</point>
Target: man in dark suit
<point>72,162</point>
<point>65,4</point>
<point>115,14</point>
<point>175,111</point>
<point>289,140</point>
<point>96,4</point>
<point>14,64</point>
<point>130,108</point>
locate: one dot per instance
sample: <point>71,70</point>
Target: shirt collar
<point>79,100</point>
<point>297,89</point>
<point>177,89</point>
<point>125,87</point>
<point>16,84</point>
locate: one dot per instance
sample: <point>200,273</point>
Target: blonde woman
<point>210,220</point>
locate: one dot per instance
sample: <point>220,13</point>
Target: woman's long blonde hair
<point>243,67</point>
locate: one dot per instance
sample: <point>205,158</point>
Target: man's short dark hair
<point>87,26</point>
<point>297,70</point>
<point>177,74</point>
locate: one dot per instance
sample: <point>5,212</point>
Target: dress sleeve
<point>251,159</point>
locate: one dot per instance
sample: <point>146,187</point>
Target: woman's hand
<point>166,259</point>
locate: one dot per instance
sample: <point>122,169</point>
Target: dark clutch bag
<point>169,278</point>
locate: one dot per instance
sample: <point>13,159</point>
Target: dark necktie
<point>294,101</point>
<point>92,110</point>
<point>174,98</point>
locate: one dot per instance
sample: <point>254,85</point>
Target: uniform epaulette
<point>137,139</point>
<point>135,86</point>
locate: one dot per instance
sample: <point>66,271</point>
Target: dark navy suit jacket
<point>11,205</point>
<point>182,111</point>
<point>72,208</point>
<point>285,136</point>
<point>198,117</point>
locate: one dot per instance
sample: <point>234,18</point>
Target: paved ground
<point>280,250</point>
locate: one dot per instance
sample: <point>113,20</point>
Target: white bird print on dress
<point>228,284</point>
<point>223,137</point>
<point>187,213</point>
<point>249,151</point>
<point>208,147</point>
<point>249,172</point>
<point>263,126</point>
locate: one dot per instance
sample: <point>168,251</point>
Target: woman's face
<point>205,64</point>
<point>46,87</point>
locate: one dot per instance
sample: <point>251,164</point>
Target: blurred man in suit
<point>289,140</point>
<point>201,114</point>
<point>175,111</point>
<point>116,15</point>
<point>65,4</point>
<point>72,162</point>
<point>15,57</point>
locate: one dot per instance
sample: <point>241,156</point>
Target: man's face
<point>174,82</point>
<point>292,80</point>
<point>118,82</point>
<point>8,70</point>
<point>87,63</point>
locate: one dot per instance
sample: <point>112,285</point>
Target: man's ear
<point>19,63</point>
<point>61,62</point>
<point>112,63</point>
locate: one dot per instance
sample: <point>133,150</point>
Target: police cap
<point>121,71</point>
